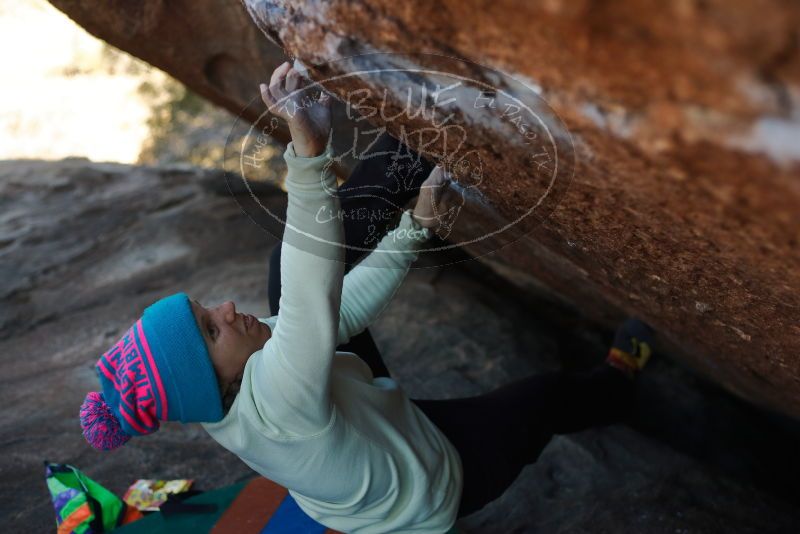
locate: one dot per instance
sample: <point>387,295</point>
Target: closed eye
<point>210,329</point>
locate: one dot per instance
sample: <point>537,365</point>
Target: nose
<point>228,311</point>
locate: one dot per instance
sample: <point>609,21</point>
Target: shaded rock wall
<point>684,206</point>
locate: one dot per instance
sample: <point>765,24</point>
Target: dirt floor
<point>84,247</point>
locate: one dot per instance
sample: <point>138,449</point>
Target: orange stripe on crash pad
<point>78,516</point>
<point>252,508</point>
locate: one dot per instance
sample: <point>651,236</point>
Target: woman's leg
<point>499,433</point>
<point>386,178</point>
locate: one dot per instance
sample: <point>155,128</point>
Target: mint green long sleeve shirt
<point>355,453</point>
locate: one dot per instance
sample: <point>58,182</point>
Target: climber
<point>332,426</point>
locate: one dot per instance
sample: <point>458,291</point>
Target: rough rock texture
<point>684,208</point>
<point>84,247</point>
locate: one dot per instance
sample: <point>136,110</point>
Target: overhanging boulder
<point>684,207</point>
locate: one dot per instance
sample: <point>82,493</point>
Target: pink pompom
<point>101,427</point>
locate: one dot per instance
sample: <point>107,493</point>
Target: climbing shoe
<point>632,347</point>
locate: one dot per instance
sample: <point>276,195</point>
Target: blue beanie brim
<point>183,361</point>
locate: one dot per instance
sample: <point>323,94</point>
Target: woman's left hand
<point>307,112</point>
<point>437,204</point>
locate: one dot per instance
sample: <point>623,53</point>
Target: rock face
<point>684,206</point>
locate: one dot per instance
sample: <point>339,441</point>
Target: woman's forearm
<point>307,142</point>
<point>370,286</point>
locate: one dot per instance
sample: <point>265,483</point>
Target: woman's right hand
<point>307,113</point>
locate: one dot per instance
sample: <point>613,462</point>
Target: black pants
<point>498,433</point>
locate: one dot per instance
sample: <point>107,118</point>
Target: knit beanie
<point>159,371</point>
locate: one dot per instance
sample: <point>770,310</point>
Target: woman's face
<point>231,338</point>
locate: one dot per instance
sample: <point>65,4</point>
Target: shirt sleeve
<point>291,387</point>
<point>370,285</point>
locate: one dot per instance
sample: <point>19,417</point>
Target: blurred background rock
<point>69,94</point>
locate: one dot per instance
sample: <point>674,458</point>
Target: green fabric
<point>111,504</point>
<point>63,477</point>
<point>157,523</point>
<point>58,487</point>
